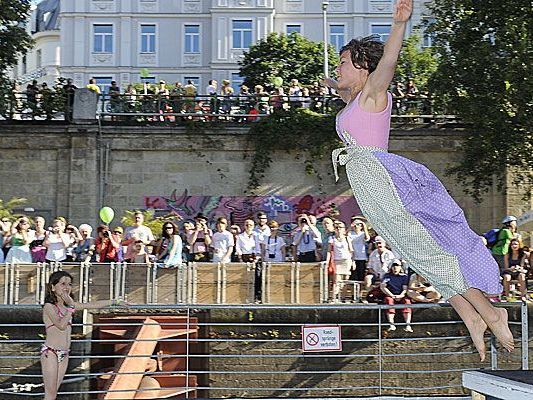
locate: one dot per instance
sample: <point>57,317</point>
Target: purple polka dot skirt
<point>411,209</point>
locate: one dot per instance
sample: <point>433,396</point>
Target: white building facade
<point>198,40</point>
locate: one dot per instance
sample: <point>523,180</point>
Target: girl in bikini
<point>57,317</point>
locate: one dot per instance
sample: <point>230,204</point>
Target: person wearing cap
<point>200,239</point>
<point>394,285</point>
<point>359,237</point>
<point>262,229</point>
<point>379,263</point>
<point>506,233</point>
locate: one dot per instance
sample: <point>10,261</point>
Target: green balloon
<point>277,81</point>
<point>107,214</point>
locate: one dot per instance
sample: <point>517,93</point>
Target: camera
<point>304,221</point>
<point>106,234</point>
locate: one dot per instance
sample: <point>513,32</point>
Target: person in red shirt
<point>106,245</point>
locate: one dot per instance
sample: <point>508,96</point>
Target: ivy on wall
<point>305,132</point>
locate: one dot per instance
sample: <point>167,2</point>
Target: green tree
<point>6,207</point>
<point>416,62</point>
<point>14,40</point>
<point>485,77</point>
<point>287,56</point>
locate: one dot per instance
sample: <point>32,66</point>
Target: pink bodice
<point>356,126</point>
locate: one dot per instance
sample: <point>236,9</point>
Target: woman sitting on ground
<point>421,291</point>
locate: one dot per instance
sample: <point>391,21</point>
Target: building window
<point>147,79</point>
<point>147,38</point>
<point>236,81</point>
<point>293,28</point>
<point>39,58</point>
<point>24,65</point>
<point>242,34</point>
<point>192,39</point>
<point>336,36</point>
<point>428,37</point>
<point>103,38</point>
<point>381,30</point>
<point>103,82</point>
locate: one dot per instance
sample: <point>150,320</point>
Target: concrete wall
<point>73,170</point>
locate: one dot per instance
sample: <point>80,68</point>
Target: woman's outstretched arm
<point>379,80</point>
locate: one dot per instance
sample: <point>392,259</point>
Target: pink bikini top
<point>363,128</point>
<point>60,315</point>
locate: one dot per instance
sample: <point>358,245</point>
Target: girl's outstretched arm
<point>379,80</point>
<point>93,305</point>
<point>69,302</point>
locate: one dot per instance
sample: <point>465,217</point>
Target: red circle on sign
<point>312,339</point>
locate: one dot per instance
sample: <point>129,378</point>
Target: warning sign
<point>321,338</point>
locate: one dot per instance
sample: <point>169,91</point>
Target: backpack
<point>492,237</point>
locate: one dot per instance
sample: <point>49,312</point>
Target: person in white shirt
<point>341,251</point>
<point>211,89</point>
<point>222,242</point>
<point>273,247</point>
<point>262,229</point>
<point>248,250</point>
<point>305,240</point>
<point>379,262</point>
<point>136,232</point>
<point>359,238</point>
<point>247,246</point>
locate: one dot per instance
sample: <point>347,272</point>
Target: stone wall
<point>74,170</point>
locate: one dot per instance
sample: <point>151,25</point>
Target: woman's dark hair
<point>520,249</point>
<point>365,52</point>
<point>50,296</point>
<point>164,231</point>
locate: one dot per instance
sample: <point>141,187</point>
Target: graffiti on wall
<point>284,209</point>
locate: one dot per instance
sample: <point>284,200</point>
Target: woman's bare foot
<point>500,329</point>
<point>477,330</point>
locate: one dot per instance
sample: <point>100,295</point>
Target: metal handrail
<point>293,353</point>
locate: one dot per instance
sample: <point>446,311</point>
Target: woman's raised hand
<point>403,10</point>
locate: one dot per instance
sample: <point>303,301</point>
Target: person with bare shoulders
<point>58,309</point>
<point>403,200</point>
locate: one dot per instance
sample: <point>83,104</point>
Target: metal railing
<point>255,351</point>
<point>196,283</point>
<point>176,108</point>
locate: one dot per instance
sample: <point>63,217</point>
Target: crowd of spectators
<point>357,253</point>
<point>165,102</point>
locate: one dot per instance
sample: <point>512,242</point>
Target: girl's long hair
<point>50,296</point>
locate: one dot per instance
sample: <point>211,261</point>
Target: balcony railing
<point>175,109</point>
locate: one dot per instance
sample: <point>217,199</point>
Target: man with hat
<point>394,285</point>
<point>200,239</point>
<point>506,233</point>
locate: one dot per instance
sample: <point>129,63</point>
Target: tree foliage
<point>485,76</point>
<point>6,207</point>
<point>416,62</point>
<point>287,56</point>
<point>14,40</point>
<point>308,134</point>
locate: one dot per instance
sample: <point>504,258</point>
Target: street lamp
<point>325,23</point>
